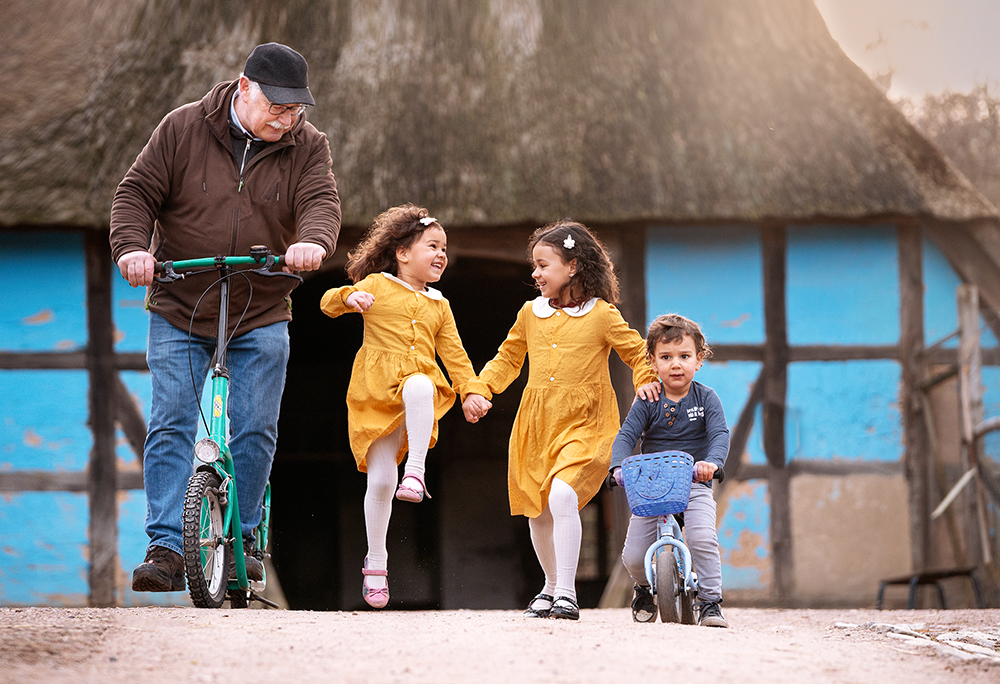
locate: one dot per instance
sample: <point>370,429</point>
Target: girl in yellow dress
<point>560,445</point>
<point>397,392</point>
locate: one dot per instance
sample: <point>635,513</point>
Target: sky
<point>930,45</point>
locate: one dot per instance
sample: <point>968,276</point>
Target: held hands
<point>360,301</point>
<point>137,268</point>
<point>303,256</point>
<point>475,407</point>
<point>619,477</point>
<point>649,392</point>
<point>703,471</point>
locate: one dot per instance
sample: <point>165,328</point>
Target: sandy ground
<point>174,645</point>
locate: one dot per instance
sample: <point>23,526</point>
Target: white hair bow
<point>569,242</point>
<point>427,220</point>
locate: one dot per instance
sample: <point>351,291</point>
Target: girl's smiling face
<point>551,273</point>
<point>425,260</point>
<point>676,362</point>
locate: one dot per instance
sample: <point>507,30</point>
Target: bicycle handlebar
<point>719,475</point>
<point>260,257</point>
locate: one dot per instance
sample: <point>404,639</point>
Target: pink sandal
<point>376,598</point>
<point>410,494</point>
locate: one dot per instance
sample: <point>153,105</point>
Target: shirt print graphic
<point>695,413</point>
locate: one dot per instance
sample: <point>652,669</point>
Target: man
<point>241,167</point>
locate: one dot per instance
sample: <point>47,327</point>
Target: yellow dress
<point>404,329</point>
<point>568,417</point>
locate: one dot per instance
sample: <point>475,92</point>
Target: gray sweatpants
<point>699,535</point>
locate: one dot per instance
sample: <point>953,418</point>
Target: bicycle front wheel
<point>206,554</point>
<point>669,587</point>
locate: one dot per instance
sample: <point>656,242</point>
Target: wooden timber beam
<point>916,454</point>
<point>102,485</point>
<point>775,377</point>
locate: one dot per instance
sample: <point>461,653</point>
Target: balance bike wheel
<point>668,587</point>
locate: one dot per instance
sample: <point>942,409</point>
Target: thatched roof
<point>488,112</point>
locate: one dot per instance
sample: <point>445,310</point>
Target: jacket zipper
<point>243,163</point>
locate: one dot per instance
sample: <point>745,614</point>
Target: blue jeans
<point>256,361</point>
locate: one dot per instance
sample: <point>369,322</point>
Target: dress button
<point>558,313</point>
<point>553,346</point>
<point>552,379</point>
<point>412,347</point>
<point>413,321</point>
<point>673,408</point>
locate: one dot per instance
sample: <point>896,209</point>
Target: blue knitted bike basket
<point>658,483</point>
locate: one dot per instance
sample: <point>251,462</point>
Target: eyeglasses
<point>294,110</point>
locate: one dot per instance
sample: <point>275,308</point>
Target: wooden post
<point>915,437</point>
<point>775,376</point>
<point>102,478</point>
<point>970,399</point>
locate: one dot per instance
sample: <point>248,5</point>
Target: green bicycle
<point>211,518</point>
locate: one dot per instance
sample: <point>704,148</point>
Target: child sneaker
<point>643,605</point>
<point>710,615</point>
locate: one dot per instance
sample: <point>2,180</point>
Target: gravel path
<point>764,646</point>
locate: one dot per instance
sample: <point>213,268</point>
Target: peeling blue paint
<point>745,539</point>
<point>710,274</point>
<point>43,548</point>
<point>36,318</point>
<point>44,420</point>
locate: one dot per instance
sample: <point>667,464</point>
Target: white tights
<point>418,408</point>
<point>555,535</point>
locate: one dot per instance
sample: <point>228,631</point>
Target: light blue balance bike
<point>659,485</point>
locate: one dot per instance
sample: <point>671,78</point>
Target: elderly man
<point>240,167</point>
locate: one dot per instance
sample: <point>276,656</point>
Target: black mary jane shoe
<point>533,612</point>
<point>566,608</point>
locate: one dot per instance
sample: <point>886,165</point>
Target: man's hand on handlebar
<point>303,256</point>
<point>137,268</point>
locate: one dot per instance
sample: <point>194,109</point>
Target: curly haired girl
<point>397,392</point>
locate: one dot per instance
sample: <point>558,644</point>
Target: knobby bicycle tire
<point>206,554</point>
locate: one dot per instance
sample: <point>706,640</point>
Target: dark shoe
<point>710,615</point>
<point>643,605</point>
<point>255,569</point>
<point>539,606</point>
<point>566,608</point>
<point>163,570</point>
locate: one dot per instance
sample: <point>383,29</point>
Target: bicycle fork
<point>668,533</point>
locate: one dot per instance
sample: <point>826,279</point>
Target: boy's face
<point>676,362</point>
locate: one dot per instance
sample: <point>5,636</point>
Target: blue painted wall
<point>842,289</point>
<point>43,423</point>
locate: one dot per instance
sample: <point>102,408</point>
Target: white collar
<point>427,291</point>
<point>541,308</point>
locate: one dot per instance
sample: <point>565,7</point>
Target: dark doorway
<point>461,549</point>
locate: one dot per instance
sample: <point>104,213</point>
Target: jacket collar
<point>540,307</point>
<point>216,104</point>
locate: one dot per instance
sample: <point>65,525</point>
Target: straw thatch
<point>489,111</point>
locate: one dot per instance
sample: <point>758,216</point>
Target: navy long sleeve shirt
<point>696,424</point>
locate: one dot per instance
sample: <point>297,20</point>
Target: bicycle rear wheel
<point>206,554</point>
<point>669,587</point>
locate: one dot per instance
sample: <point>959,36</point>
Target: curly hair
<point>395,228</point>
<point>672,328</point>
<point>595,274</point>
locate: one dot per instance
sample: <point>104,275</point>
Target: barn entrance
<point>461,549</point>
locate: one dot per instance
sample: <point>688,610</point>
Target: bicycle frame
<point>668,533</point>
<point>213,451</point>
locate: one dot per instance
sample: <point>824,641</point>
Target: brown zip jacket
<point>184,198</point>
